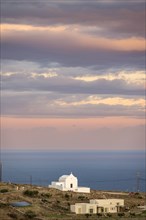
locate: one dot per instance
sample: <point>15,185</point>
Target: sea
<point>100,170</point>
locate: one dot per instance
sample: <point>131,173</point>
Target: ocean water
<point>100,170</point>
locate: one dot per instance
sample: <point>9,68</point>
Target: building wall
<point>83,189</point>
<point>98,206</point>
<point>83,208</point>
<point>108,202</point>
<point>71,182</point>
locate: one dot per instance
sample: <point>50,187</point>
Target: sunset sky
<point>73,74</point>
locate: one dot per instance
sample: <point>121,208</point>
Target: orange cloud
<point>82,40</point>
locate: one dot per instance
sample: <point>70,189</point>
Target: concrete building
<point>98,206</point>
<point>69,183</point>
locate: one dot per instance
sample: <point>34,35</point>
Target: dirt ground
<point>47,204</point>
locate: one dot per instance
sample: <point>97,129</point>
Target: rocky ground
<point>47,204</point>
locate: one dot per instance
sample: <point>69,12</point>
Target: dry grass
<point>53,204</point>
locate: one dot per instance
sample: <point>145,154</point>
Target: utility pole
<point>30,180</point>
<point>138,181</point>
<point>1,168</point>
<point>0,143</point>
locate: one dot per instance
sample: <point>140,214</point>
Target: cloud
<point>67,85</point>
<point>120,17</point>
<point>80,41</point>
<point>50,105</point>
<point>69,48</point>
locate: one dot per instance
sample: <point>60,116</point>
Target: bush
<point>47,195</point>
<point>87,215</point>
<point>66,196</point>
<point>99,214</point>
<point>13,215</point>
<point>44,200</point>
<point>4,190</point>
<point>31,193</point>
<point>120,214</point>
<point>30,214</point>
<point>81,197</point>
<point>3,205</point>
<point>132,213</point>
<point>109,215</point>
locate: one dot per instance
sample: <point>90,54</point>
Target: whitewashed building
<point>69,183</point>
<point>98,206</point>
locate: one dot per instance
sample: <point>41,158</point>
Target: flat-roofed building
<point>98,206</point>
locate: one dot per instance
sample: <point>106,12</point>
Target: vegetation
<point>31,193</point>
<point>52,204</point>
<point>13,215</point>
<point>99,214</point>
<point>121,214</point>
<point>132,214</point>
<point>3,205</point>
<point>87,215</point>
<point>81,197</point>
<point>109,214</point>
<point>67,196</point>
<point>46,195</point>
<point>4,190</point>
<point>30,214</point>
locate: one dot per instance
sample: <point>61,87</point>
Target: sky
<point>73,74</point>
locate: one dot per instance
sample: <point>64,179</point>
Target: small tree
<point>13,215</point>
<point>87,215</point>
<point>4,190</point>
<point>67,196</point>
<point>30,214</point>
<point>30,193</point>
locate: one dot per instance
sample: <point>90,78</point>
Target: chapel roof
<point>64,177</point>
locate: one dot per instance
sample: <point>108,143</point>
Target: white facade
<point>69,183</point>
<point>98,206</point>
<point>83,208</point>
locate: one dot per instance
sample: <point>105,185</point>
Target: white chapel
<point>69,183</point>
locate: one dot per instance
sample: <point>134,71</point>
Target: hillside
<point>53,204</point>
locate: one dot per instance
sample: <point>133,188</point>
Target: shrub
<point>44,200</point>
<point>132,213</point>
<point>30,193</point>
<point>120,214</point>
<point>3,205</point>
<point>30,214</point>
<point>99,214</point>
<point>4,190</point>
<point>109,215</point>
<point>47,195</point>
<point>87,215</point>
<point>13,215</point>
<point>66,196</point>
<point>81,197</point>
